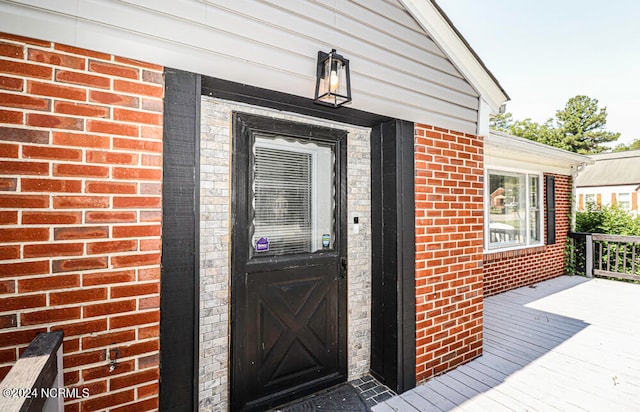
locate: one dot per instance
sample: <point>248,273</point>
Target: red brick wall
<point>449,230</point>
<point>80,215</point>
<point>509,270</point>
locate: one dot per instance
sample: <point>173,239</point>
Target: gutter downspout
<point>574,204</point>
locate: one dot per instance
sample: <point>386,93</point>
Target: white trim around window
<point>513,209</point>
<point>623,200</point>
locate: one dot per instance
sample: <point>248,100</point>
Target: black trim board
<point>238,92</point>
<point>393,338</point>
<point>179,284</point>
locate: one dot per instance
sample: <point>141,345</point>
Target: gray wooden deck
<point>568,344</point>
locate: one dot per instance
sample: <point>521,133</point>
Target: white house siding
<point>215,209</point>
<point>605,194</point>
<point>397,69</point>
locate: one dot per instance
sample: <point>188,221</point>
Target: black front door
<point>288,312</point>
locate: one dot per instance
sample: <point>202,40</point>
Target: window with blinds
<point>292,197</point>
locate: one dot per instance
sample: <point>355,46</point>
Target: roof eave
<point>610,184</point>
<point>435,22</point>
<point>521,144</point>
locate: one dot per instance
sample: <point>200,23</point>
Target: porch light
<point>333,81</point>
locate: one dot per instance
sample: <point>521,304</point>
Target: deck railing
<point>616,256</point>
<point>612,256</point>
<point>35,382</point>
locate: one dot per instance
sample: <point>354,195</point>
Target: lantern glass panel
<point>333,81</point>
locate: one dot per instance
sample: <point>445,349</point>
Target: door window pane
<point>293,197</point>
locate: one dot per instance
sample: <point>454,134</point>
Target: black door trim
<point>180,274</point>
<point>238,92</point>
<point>181,187</point>
<point>245,126</point>
<point>393,310</point>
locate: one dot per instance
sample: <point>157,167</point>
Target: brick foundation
<point>449,230</point>
<point>512,269</point>
<point>80,216</point>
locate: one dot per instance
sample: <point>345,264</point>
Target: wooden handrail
<point>616,238</point>
<point>27,385</point>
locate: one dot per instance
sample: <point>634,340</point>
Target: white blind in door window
<point>293,196</point>
<point>283,196</point>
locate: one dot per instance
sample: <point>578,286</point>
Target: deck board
<point>568,344</point>
<point>433,396</point>
<point>398,403</point>
<point>419,402</point>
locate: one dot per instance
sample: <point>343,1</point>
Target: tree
<point>543,133</point>
<point>579,127</point>
<point>582,126</point>
<point>501,121</point>
<point>635,145</point>
<point>527,128</point>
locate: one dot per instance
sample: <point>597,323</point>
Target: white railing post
<point>588,267</point>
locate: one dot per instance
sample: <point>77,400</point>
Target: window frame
<point>629,201</point>
<point>280,142</point>
<point>497,170</point>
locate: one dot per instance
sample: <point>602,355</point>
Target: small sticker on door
<point>262,244</point>
<point>326,240</point>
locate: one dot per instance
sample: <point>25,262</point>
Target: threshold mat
<point>343,397</point>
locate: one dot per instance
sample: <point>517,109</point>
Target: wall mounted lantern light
<point>333,80</point>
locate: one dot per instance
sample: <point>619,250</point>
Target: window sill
<point>493,255</point>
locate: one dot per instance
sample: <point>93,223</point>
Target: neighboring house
<point>614,179</point>
<point>144,145</point>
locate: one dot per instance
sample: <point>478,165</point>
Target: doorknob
<point>343,263</point>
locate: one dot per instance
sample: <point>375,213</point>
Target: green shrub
<point>610,220</point>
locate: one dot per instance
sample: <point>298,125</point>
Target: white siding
<point>606,192</point>
<point>397,70</point>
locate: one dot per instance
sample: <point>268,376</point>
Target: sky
<point>544,52</point>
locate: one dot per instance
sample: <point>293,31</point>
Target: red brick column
<point>449,231</point>
<point>80,215</point>
<point>512,269</point>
